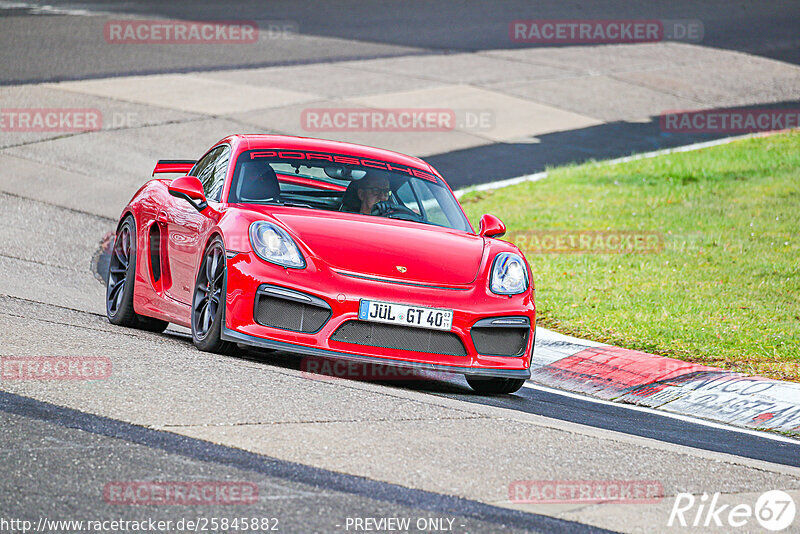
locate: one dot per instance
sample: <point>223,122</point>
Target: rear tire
<point>494,386</point>
<point>208,301</point>
<point>120,282</point>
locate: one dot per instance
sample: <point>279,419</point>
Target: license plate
<point>402,314</point>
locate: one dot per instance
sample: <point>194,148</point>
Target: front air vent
<point>501,336</point>
<point>287,309</point>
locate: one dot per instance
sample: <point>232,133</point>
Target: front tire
<point>120,282</point>
<point>494,386</point>
<point>208,301</point>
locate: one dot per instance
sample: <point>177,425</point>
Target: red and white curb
<point>633,377</point>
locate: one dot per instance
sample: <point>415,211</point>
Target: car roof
<point>267,141</point>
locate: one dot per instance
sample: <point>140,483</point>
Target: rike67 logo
<point>774,510</point>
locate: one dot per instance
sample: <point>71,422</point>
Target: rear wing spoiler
<point>173,165</point>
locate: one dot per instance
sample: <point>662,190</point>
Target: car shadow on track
<point>332,370</point>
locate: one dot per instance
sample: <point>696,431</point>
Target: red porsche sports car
<point>328,249</point>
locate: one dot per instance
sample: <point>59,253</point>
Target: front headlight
<point>271,243</point>
<point>509,274</point>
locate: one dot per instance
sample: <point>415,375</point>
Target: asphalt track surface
<point>321,451</point>
<point>646,424</point>
<point>69,446</point>
<point>60,45</point>
<point>358,28</point>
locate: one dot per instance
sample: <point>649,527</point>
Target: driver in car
<point>372,190</point>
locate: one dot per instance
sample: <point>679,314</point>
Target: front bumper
<point>342,293</point>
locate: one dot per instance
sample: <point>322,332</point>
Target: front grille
<point>399,337</point>
<point>500,341</point>
<point>290,314</point>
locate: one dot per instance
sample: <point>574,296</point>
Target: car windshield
<point>333,182</point>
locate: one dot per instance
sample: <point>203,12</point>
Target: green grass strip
<point>721,287</point>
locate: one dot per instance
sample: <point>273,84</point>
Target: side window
<point>202,164</point>
<point>211,171</point>
<point>217,182</point>
<point>205,168</point>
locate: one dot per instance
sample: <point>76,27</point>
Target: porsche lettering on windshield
<point>346,160</point>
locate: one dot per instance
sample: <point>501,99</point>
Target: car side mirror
<point>491,226</point>
<point>190,189</point>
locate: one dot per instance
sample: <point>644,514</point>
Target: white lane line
<point>685,148</point>
<point>653,411</point>
<point>38,9</point>
<point>535,177</point>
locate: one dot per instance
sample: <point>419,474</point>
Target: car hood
<point>383,247</point>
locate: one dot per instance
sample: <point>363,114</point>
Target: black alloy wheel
<point>208,301</point>
<point>120,282</point>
